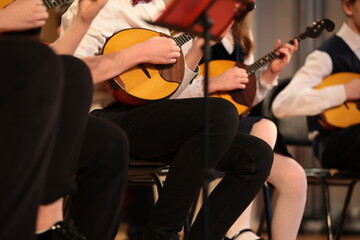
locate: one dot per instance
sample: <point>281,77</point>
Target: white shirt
<point>196,89</point>
<point>115,16</point>
<point>300,98</point>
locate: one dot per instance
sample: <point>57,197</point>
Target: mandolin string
<point>53,3</point>
<point>251,69</point>
<point>182,39</point>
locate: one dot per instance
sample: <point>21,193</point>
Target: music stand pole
<point>207,23</point>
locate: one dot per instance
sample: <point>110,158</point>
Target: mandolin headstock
<point>316,29</point>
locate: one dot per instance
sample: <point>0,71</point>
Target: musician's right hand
<point>352,89</point>
<point>23,15</point>
<point>160,50</point>
<point>232,79</point>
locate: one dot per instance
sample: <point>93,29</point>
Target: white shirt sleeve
<point>115,16</point>
<point>193,90</point>
<point>262,87</point>
<point>189,75</point>
<point>300,98</point>
<point>185,88</point>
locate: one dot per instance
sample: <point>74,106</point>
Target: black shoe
<point>61,231</point>
<point>241,232</point>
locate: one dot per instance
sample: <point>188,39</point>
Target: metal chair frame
<point>333,177</point>
<point>147,173</point>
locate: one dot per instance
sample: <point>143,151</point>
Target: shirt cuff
<point>263,84</point>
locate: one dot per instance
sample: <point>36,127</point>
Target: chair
<point>143,172</point>
<point>266,216</point>
<point>295,132</point>
<point>140,172</point>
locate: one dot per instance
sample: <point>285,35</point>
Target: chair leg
<point>327,207</point>
<point>345,208</point>
<point>267,211</point>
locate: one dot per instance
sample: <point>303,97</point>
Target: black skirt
<point>246,124</point>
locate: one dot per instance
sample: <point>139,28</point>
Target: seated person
<point>174,127</point>
<point>48,136</point>
<point>287,176</point>
<point>335,147</point>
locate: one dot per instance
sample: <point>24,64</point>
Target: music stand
<point>187,16</point>
<point>209,19</point>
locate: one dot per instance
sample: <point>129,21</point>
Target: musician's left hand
<point>195,53</point>
<point>70,39</point>
<point>88,9</point>
<point>284,53</point>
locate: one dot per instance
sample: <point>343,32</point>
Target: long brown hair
<point>241,33</point>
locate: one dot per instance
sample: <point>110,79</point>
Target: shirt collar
<point>351,38</point>
<point>228,42</point>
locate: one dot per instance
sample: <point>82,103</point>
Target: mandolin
<point>346,114</point>
<point>146,82</point>
<point>244,98</point>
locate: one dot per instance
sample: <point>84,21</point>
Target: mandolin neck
<point>182,39</point>
<point>251,69</point>
<point>53,3</point>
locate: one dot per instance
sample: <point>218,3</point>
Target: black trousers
<point>101,178</point>
<point>246,124</point>
<point>30,105</point>
<point>177,126</point>
<point>339,148</point>
<point>45,118</point>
